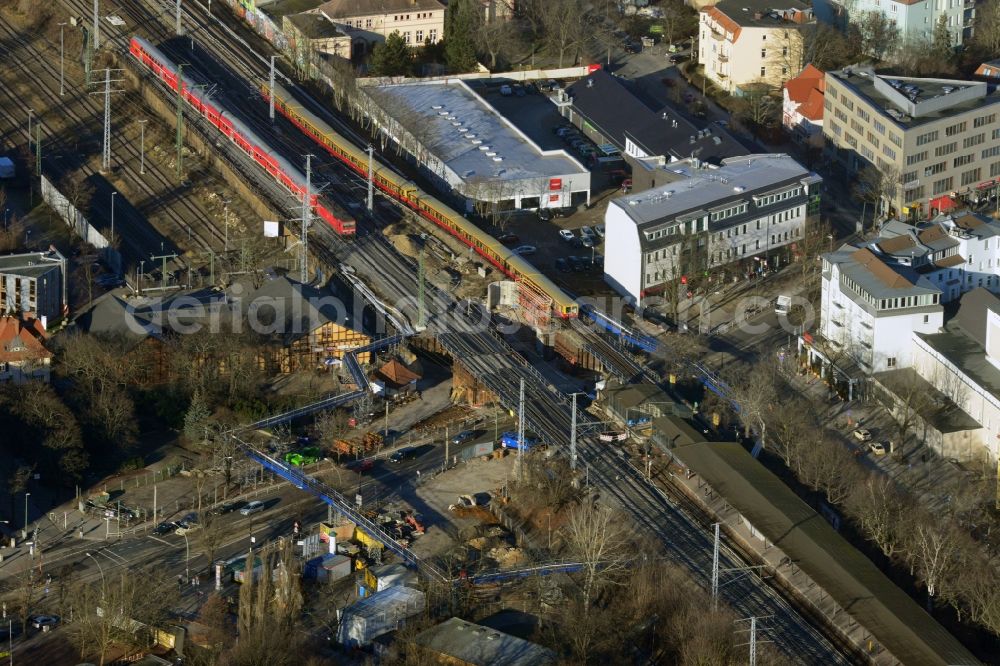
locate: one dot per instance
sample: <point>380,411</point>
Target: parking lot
<point>572,262</point>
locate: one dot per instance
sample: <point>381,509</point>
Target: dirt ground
<point>471,478</point>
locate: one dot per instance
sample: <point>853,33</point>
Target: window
<point>991,152</point>
<point>971,176</point>
<point>368,23</point>
<point>762,71</point>
<point>984,120</point>
<point>841,116</point>
<point>974,140</point>
<point>995,169</point>
<point>934,169</point>
<point>927,138</point>
<point>763,53</point>
<point>432,35</point>
<point>957,128</point>
<point>946,149</point>
<point>943,185</point>
<point>406,36</point>
<point>896,139</point>
<point>863,114</point>
<point>890,153</point>
<point>784,51</point>
<point>879,127</point>
<point>784,70</point>
<point>420,36</point>
<point>916,157</point>
<point>962,160</point>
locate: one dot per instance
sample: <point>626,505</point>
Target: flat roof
<point>744,12</point>
<point>857,585</point>
<point>467,134</point>
<point>30,264</point>
<point>281,8</point>
<point>932,405</point>
<point>702,188</point>
<point>912,101</point>
<point>607,102</point>
<point>965,352</point>
<point>475,644</point>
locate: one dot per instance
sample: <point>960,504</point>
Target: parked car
<point>879,448</point>
<point>862,435</point>
<point>599,230</point>
<point>544,215</point>
<point>519,90</point>
<point>562,265</point>
<point>463,437</point>
<point>43,621</point>
<point>579,264</point>
<point>722,123</point>
<point>251,508</point>
<point>184,528</point>
<point>588,241</point>
<point>562,130</point>
<point>525,250</point>
<point>508,237</point>
<point>566,234</point>
<point>553,85</point>
<point>679,57</point>
<point>587,231</point>
<point>506,90</point>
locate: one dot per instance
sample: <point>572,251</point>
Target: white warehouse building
<point>471,150</point>
<point>706,218</point>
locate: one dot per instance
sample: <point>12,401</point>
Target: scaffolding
<point>535,306</point>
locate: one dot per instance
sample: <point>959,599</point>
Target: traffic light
<point>684,279</point>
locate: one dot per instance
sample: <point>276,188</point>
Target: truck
<point>782,304</point>
<point>508,440</point>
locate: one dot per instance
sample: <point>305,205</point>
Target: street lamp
<point>26,496</point>
<point>187,558</point>
<point>101,569</point>
<point>112,239</point>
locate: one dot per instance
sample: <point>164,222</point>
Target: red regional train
<point>290,177</point>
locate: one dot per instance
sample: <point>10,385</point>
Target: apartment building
<point>937,139</point>
<point>33,282</point>
<point>371,21</point>
<point>870,309</point>
<point>752,42</point>
<point>743,211</point>
<point>914,19</point>
<point>312,34</point>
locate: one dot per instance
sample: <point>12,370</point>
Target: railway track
<point>482,351</point>
<point>139,238</point>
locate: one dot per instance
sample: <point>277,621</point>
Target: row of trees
<point>936,547</point>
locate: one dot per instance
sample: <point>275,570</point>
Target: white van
<point>506,90</point>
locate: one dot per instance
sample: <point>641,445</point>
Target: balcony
<point>718,36</point>
<point>723,57</point>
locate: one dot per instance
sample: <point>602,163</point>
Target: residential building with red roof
<point>23,355</point>
<point>752,43</point>
<point>802,105</point>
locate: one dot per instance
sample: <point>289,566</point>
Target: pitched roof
<point>397,373</point>
<point>467,643</point>
<point>896,243</point>
<point>607,103</point>
<point>348,8</point>
<point>21,340</point>
<point>728,24</point>
<point>968,221</point>
<point>807,90</point>
<point>877,267</point>
<point>972,310</point>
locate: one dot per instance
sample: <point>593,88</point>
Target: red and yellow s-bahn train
<point>290,177</point>
<point>410,195</point>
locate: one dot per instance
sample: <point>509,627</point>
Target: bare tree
<point>933,547</point>
<point>882,512</point>
<point>599,537</point>
<point>987,33</point>
<point>875,33</point>
<point>564,22</point>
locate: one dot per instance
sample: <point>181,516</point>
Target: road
<point>484,353</point>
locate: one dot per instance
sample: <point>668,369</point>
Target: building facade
<point>914,19</point>
<point>933,140</point>
<point>33,282</point>
<point>745,210</point>
<point>369,22</point>
<point>312,34</point>
<point>23,355</point>
<point>870,309</point>
<point>742,45</point>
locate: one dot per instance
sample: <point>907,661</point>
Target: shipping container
<point>477,451</point>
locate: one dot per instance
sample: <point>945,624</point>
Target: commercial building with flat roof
<point>744,210</point>
<point>472,151</point>
<point>934,140</point>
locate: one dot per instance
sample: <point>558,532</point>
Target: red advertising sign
<point>555,184</point>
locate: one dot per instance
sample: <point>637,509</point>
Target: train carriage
<point>241,135</point>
